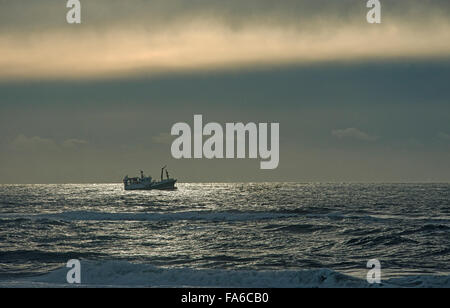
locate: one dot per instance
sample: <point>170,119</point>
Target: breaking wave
<point>177,216</point>
<point>123,273</point>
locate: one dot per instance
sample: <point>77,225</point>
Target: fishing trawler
<point>147,183</point>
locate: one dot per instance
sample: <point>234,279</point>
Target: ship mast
<point>162,171</point>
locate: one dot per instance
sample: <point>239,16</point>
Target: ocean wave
<point>177,216</point>
<point>434,228</point>
<point>127,274</point>
<point>387,240</point>
<point>382,219</point>
<point>299,228</point>
<point>43,256</point>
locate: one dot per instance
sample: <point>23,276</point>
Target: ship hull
<point>168,184</point>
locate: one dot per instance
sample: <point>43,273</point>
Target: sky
<point>356,102</point>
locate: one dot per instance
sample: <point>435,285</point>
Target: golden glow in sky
<point>118,51</point>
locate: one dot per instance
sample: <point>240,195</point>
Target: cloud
<point>352,133</point>
<point>36,143</point>
<point>25,15</point>
<point>443,136</point>
<point>412,142</point>
<point>158,37</point>
<point>163,138</point>
<point>22,142</point>
<point>73,143</point>
<point>204,46</point>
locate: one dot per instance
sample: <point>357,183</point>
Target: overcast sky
<point>355,101</point>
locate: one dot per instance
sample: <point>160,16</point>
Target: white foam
<point>190,215</point>
<point>126,274</point>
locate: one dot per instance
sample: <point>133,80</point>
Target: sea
<point>271,235</point>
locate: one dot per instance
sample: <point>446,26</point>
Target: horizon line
<point>246,182</point>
